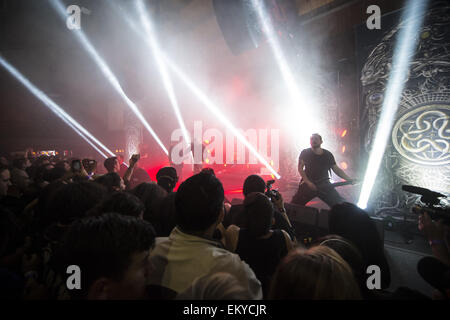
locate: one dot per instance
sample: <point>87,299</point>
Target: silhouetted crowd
<point>67,232</point>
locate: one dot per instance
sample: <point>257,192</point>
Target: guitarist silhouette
<point>314,166</point>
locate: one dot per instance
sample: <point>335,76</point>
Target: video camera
<point>272,194</point>
<point>432,204</point>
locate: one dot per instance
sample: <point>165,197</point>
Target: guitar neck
<point>342,183</point>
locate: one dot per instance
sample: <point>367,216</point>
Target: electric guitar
<point>327,187</point>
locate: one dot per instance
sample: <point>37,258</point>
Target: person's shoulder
<point>305,152</point>
<point>327,152</point>
<point>228,259</point>
<point>140,172</point>
<point>236,208</point>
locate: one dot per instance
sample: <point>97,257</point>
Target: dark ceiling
<point>36,41</point>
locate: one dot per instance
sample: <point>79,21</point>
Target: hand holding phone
<point>76,165</point>
<point>135,158</point>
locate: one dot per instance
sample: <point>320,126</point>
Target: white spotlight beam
<point>279,56</point>
<point>108,74</point>
<point>85,138</point>
<point>208,103</point>
<point>404,50</point>
<point>153,44</point>
<point>55,108</point>
<point>215,110</point>
<point>296,108</point>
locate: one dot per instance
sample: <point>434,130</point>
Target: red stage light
<point>344,165</point>
<point>344,133</point>
<point>343,149</point>
<point>235,191</point>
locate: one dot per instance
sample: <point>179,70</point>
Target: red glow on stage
<point>238,86</point>
<point>344,165</point>
<point>235,191</point>
<point>152,171</point>
<point>344,133</point>
<point>343,149</point>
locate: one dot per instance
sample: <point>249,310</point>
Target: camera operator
<point>278,201</point>
<point>436,233</point>
<point>435,270</point>
<point>255,183</point>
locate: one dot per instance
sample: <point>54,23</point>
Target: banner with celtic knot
<point>418,152</point>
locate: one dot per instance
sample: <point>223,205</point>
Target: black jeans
<point>325,192</point>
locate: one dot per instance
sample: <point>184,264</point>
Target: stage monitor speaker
<point>233,17</point>
<point>322,221</point>
<point>304,221</point>
<point>380,227</point>
<point>311,224</point>
<point>302,214</point>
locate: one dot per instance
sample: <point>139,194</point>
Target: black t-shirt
<point>262,255</point>
<point>317,166</point>
<point>238,217</point>
<point>139,176</point>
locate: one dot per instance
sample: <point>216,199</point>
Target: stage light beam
<point>404,50</point>
<point>108,74</point>
<point>153,44</point>
<point>297,110</point>
<point>219,115</point>
<point>55,108</point>
<point>205,100</point>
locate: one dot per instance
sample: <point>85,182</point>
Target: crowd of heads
<point>54,215</point>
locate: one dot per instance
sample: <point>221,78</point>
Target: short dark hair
<point>152,196</point>
<point>19,162</point>
<point>354,224</point>
<point>198,202</point>
<point>41,173</point>
<point>109,163</point>
<point>102,246</point>
<point>61,163</point>
<point>208,171</point>
<point>318,135</point>
<point>259,211</point>
<point>124,203</point>
<point>254,183</point>
<point>54,174</point>
<point>167,178</point>
<point>73,200</point>
<point>110,181</point>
